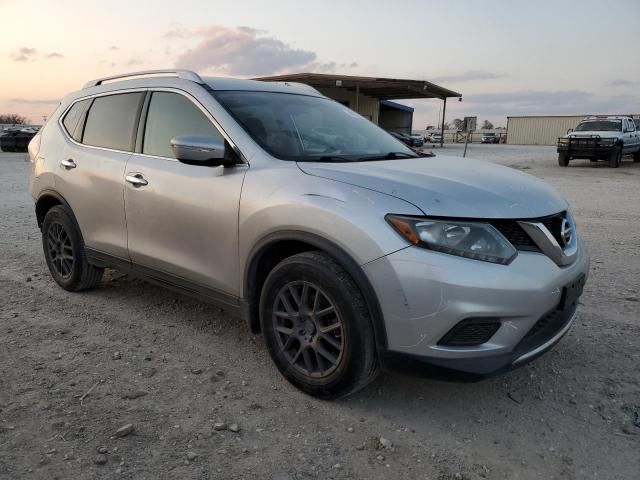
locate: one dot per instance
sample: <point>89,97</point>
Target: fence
<point>456,136</point>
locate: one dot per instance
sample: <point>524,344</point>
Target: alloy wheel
<point>60,250</point>
<point>308,328</point>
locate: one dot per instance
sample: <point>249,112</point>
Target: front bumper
<point>424,294</point>
<point>587,147</point>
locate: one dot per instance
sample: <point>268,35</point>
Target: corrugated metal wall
<point>368,107</point>
<point>543,130</point>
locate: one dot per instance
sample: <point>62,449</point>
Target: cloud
<point>24,54</point>
<point>619,82</point>
<point>176,33</point>
<point>471,75</point>
<point>34,101</point>
<point>134,61</point>
<point>54,55</point>
<point>243,51</point>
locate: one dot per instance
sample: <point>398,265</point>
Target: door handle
<point>136,179</point>
<point>68,164</point>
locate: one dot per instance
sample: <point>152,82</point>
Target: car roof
<point>177,78</point>
<point>223,83</point>
<point>604,117</point>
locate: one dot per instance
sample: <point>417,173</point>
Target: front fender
<point>286,199</point>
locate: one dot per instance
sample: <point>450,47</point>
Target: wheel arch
<point>277,246</point>
<point>48,199</point>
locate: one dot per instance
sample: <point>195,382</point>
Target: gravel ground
<point>76,368</point>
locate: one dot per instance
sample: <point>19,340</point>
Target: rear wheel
<point>636,157</point>
<point>64,252</point>
<point>616,157</point>
<point>317,327</point>
<point>563,159</point>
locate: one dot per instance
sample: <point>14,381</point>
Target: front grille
<point>513,232</point>
<point>554,225</point>
<point>471,331</point>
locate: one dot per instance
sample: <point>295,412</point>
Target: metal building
<point>369,96</point>
<point>541,129</point>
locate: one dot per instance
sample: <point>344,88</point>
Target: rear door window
<point>171,115</point>
<point>113,120</point>
<point>71,119</point>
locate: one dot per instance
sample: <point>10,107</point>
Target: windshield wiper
<point>389,156</point>
<point>331,158</point>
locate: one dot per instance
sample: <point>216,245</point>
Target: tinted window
<point>70,121</point>
<point>112,121</point>
<point>600,126</point>
<point>170,115</point>
<point>308,128</point>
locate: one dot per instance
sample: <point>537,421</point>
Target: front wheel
<point>64,252</point>
<point>616,157</point>
<point>563,159</point>
<point>636,157</point>
<point>317,326</point>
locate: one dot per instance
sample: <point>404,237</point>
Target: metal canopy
<point>381,88</point>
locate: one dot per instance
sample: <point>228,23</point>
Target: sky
<point>505,57</point>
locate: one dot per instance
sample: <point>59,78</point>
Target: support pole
<point>444,109</point>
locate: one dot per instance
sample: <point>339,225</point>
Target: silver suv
<point>345,248</point>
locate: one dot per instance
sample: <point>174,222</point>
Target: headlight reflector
<point>476,240</point>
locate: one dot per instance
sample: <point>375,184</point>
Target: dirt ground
<point>75,368</point>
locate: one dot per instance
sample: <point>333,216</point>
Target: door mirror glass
<point>199,149</point>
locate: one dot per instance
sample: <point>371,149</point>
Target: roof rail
<point>184,74</point>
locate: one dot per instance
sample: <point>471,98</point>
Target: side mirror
<point>569,131</point>
<point>205,150</point>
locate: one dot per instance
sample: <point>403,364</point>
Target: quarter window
<point>112,121</point>
<point>70,120</point>
<point>171,115</point>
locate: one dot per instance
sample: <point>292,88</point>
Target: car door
<point>100,138</point>
<point>632,140</point>
<point>182,220</point>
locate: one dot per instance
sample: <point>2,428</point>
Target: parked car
<point>436,137</point>
<point>490,138</point>
<point>409,140</point>
<point>418,140</point>
<point>15,139</point>
<point>596,138</point>
<point>346,249</point>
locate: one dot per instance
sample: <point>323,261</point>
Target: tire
<point>328,365</point>
<point>563,159</point>
<point>636,157</point>
<point>64,252</point>
<point>616,157</point>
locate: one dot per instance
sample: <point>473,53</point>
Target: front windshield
<point>307,128</point>
<point>600,126</point>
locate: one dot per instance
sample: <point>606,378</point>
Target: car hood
<point>591,133</point>
<point>449,186</point>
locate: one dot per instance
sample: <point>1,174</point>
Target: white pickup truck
<point>601,138</point>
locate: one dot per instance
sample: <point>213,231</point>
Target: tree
<point>13,118</point>
<point>487,125</point>
<point>458,124</point>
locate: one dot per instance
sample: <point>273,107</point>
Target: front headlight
<point>479,241</point>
